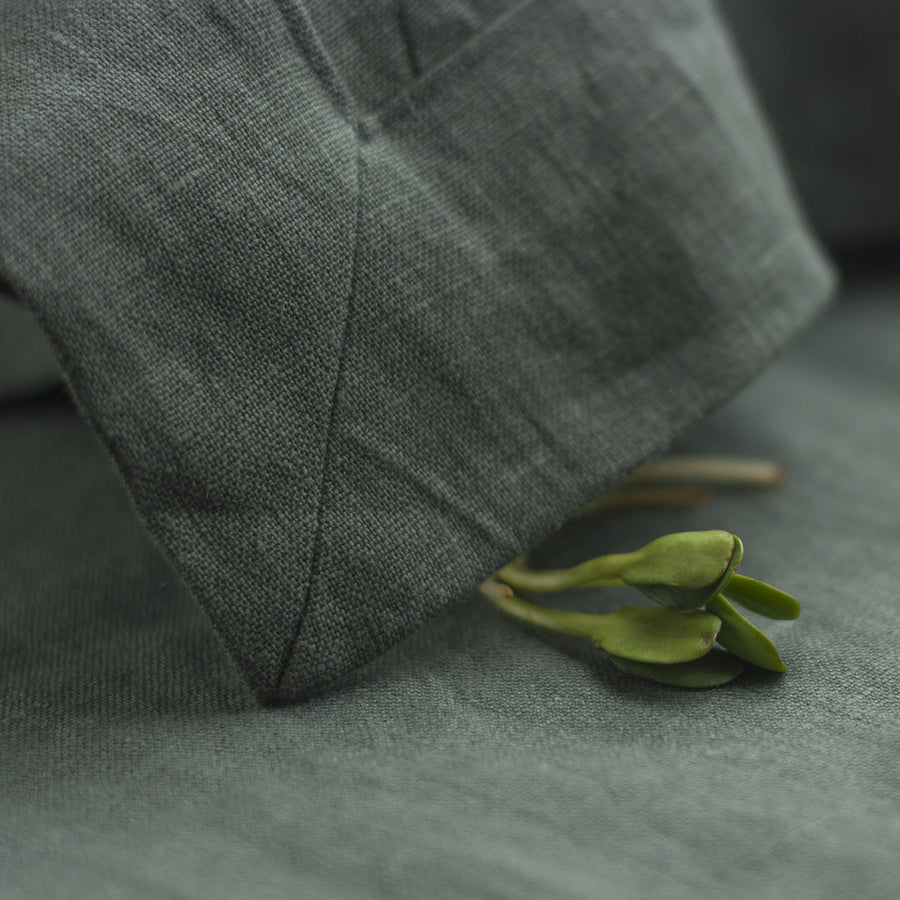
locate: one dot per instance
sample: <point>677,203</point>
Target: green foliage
<point>762,598</point>
<point>650,635</point>
<point>743,638</point>
<point>692,576</point>
<point>717,667</point>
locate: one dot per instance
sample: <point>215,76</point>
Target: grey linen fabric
<point>363,299</point>
<point>477,758</point>
<point>827,72</point>
<point>27,364</point>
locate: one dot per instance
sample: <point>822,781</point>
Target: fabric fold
<point>352,344</point>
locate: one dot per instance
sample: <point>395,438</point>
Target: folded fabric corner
<point>360,306</point>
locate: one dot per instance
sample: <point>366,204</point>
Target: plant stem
<point>710,469</point>
<point>580,624</point>
<point>645,498</point>
<point>602,571</point>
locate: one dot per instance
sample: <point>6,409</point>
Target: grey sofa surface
<point>358,299</point>
<point>476,758</point>
<point>27,363</point>
<point>827,74</point>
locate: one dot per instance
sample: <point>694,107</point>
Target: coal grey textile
<point>827,72</point>
<point>363,299</point>
<point>27,363</point>
<point>363,302</point>
<point>478,757</point>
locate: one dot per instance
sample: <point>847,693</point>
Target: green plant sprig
<point>692,577</point>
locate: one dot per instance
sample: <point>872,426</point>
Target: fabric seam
<point>332,418</point>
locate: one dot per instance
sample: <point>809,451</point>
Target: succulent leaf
<point>761,598</point>
<point>743,638</point>
<point>655,635</point>
<point>715,668</point>
<point>684,571</point>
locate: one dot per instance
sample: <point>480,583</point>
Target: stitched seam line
<point>332,418</point>
<point>299,23</point>
<point>384,106</point>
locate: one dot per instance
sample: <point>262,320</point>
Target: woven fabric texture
<point>827,73</point>
<point>27,363</point>
<point>363,303</point>
<point>478,757</point>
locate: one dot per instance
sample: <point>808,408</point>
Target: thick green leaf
<point>655,635</point>
<point>717,667</point>
<point>743,638</point>
<point>683,571</point>
<point>761,598</point>
<point>680,571</point>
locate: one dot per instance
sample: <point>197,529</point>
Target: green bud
<point>684,571</point>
